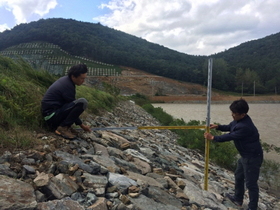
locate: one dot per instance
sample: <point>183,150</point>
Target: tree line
<point>251,66</point>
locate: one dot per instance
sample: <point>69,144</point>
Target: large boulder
<point>16,194</point>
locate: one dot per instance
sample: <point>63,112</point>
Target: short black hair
<point>77,70</point>
<point>239,106</point>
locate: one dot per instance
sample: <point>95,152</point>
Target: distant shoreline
<point>217,99</point>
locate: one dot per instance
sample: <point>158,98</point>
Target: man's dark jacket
<point>61,92</point>
<point>245,136</point>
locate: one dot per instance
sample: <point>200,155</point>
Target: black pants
<point>68,114</point>
<point>247,172</point>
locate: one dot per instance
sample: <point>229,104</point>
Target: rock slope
<point>115,169</point>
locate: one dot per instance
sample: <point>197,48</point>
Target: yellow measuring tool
<point>171,127</point>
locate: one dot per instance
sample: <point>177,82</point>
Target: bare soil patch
<point>216,99</point>
<point>134,81</point>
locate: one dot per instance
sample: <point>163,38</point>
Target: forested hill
<point>107,45</point>
<point>252,64</point>
<point>256,60</point>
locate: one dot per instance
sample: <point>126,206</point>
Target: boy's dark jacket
<point>245,136</point>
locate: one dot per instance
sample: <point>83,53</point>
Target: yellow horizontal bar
<point>172,127</point>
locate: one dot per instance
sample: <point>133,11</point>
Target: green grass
<point>194,138</point>
<point>51,53</point>
<point>140,99</point>
<point>224,154</point>
<point>21,91</point>
<point>97,100</point>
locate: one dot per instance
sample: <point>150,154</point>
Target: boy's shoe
<point>73,131</point>
<point>65,132</point>
<point>233,200</point>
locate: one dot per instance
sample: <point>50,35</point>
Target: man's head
<point>239,109</point>
<point>78,73</point>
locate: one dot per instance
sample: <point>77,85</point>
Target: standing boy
<point>246,139</point>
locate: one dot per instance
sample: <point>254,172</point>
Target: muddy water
<point>265,116</point>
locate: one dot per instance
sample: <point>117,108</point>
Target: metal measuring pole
<point>207,142</point>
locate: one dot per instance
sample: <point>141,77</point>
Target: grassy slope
<point>52,58</point>
<point>21,91</point>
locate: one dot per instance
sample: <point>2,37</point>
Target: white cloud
<point>22,10</point>
<point>4,27</point>
<point>195,27</point>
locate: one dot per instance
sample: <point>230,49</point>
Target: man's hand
<point>85,128</point>
<point>208,136</point>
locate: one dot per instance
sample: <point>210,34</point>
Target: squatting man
<point>60,108</point>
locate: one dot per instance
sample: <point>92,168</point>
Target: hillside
<point>255,54</point>
<point>21,92</point>
<point>43,55</point>
<point>50,57</point>
<point>133,81</point>
<point>253,66</point>
<point>97,42</point>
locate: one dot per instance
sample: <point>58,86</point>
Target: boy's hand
<point>208,136</point>
<point>212,126</point>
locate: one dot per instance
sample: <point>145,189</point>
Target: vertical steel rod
<point>207,142</point>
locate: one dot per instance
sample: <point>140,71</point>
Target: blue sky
<point>84,10</point>
<point>196,27</point>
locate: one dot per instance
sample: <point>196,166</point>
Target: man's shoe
<point>73,131</point>
<point>65,132</point>
<point>233,200</point>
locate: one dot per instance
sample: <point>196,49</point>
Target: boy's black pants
<point>247,174</point>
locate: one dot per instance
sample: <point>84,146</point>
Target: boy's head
<point>239,106</point>
<point>239,109</point>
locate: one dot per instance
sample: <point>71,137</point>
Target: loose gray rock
<point>5,170</point>
<point>118,170</point>
<point>61,186</point>
<point>16,194</point>
<point>64,204</point>
<point>121,181</point>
